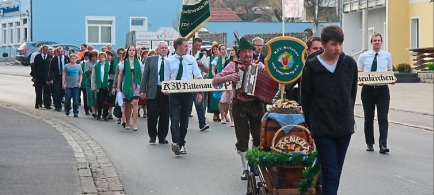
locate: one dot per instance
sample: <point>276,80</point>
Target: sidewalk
<point>411,104</point>
<point>35,157</point>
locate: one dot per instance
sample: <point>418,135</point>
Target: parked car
<point>26,49</point>
<point>66,47</point>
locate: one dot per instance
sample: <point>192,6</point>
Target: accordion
<point>255,82</point>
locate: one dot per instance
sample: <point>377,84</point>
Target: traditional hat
<point>244,44</point>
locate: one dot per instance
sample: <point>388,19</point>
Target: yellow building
<point>404,24</point>
<point>410,25</point>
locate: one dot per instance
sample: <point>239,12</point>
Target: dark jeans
<point>158,113</point>
<point>180,105</point>
<point>247,120</point>
<point>86,107</point>
<point>200,111</point>
<point>332,153</point>
<point>101,104</point>
<point>39,85</point>
<point>75,94</point>
<point>376,96</point>
<point>58,93</point>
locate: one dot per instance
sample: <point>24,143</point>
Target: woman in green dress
<point>85,81</point>
<point>216,66</point>
<point>88,67</point>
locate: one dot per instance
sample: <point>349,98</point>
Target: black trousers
<point>39,85</point>
<point>101,97</point>
<point>180,105</point>
<point>376,96</point>
<point>158,113</point>
<point>58,93</point>
<point>86,107</point>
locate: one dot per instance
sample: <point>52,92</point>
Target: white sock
<point>243,159</point>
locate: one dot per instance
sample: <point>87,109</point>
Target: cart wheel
<point>251,185</point>
<point>262,190</point>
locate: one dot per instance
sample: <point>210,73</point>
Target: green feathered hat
<point>244,44</point>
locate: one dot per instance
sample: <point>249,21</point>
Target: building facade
<point>102,22</point>
<point>404,24</point>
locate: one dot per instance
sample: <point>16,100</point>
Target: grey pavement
<point>35,157</point>
<point>212,165</point>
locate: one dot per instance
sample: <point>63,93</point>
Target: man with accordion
<point>247,110</point>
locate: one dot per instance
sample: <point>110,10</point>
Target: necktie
<point>60,65</point>
<point>374,64</point>
<point>180,70</point>
<point>161,72</point>
<point>43,57</point>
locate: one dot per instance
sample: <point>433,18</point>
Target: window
<point>100,30</point>
<point>11,33</point>
<point>18,31</point>
<point>4,34</point>
<point>370,32</point>
<point>414,34</point>
<point>138,24</point>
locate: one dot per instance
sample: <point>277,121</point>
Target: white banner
<point>376,77</point>
<point>197,85</point>
<point>293,8</point>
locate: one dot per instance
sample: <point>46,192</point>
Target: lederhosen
<point>247,118</point>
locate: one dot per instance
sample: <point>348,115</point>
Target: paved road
<point>212,165</point>
<point>35,157</point>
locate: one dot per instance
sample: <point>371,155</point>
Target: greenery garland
<point>271,159</point>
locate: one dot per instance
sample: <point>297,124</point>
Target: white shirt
<point>102,72</point>
<point>32,57</point>
<point>190,68</point>
<point>329,67</point>
<point>384,61</point>
<point>159,66</point>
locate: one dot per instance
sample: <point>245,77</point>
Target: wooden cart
<point>280,180</point>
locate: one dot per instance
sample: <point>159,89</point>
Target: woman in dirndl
<point>213,97</point>
<point>91,96</point>
<point>132,68</point>
<point>227,96</point>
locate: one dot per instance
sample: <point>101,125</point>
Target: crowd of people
<point>131,78</point>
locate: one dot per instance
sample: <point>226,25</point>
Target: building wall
<point>66,22</point>
<point>259,27</point>
<point>399,30</point>
<point>353,29</point>
<point>425,12</point>
<point>352,25</point>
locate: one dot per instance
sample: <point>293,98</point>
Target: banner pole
<point>283,21</point>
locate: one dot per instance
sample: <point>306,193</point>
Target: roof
<point>224,14</point>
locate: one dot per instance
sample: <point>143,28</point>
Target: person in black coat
<point>39,76</point>
<point>55,77</point>
<point>329,88</point>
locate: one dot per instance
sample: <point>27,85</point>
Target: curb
<point>401,123</point>
<point>96,172</point>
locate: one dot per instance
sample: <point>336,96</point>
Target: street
<point>212,165</point>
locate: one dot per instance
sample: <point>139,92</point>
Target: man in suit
<point>41,66</point>
<point>158,103</point>
<point>55,77</point>
<point>258,42</point>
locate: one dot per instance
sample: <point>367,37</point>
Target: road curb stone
<point>96,172</point>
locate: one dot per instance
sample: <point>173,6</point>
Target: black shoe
<point>384,149</point>
<point>105,119</point>
<point>253,169</point>
<point>204,128</point>
<point>123,124</point>
<point>37,106</point>
<point>98,118</point>
<point>87,113</point>
<point>191,115</point>
<point>163,141</point>
<point>58,109</point>
<point>152,141</point>
<point>245,175</point>
<point>48,107</point>
<point>370,147</point>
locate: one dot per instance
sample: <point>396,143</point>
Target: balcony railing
<point>354,5</point>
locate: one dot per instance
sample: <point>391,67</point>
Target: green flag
<point>194,14</point>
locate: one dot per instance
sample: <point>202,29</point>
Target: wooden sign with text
<point>376,77</point>
<point>197,85</point>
